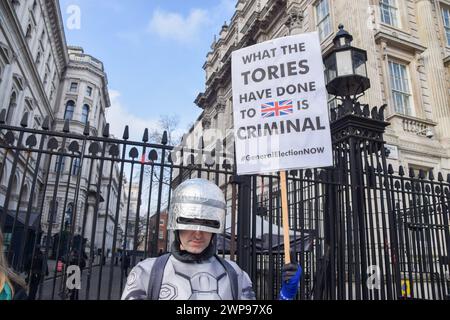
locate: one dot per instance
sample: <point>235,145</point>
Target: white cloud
<point>118,116</point>
<point>174,26</point>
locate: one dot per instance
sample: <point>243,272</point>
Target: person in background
<point>12,286</point>
<point>34,266</point>
<point>125,264</point>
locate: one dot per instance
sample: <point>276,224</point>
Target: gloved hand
<point>291,274</point>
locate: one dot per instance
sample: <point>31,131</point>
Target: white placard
<point>280,106</point>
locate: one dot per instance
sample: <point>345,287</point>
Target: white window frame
<point>392,9</point>
<point>71,113</point>
<point>398,87</point>
<point>323,21</point>
<point>61,159</point>
<point>70,86</point>
<point>76,166</point>
<point>85,117</point>
<point>446,10</point>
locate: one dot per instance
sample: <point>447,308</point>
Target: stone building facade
<point>42,76</point>
<point>408,48</point>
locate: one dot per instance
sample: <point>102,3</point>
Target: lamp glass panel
<point>330,67</point>
<point>344,63</point>
<point>359,63</point>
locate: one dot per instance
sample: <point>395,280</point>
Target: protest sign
<point>280,106</point>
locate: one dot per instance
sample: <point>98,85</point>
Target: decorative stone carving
<point>295,19</point>
<point>221,106</point>
<point>206,123</point>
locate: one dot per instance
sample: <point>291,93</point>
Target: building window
<point>76,166</point>
<point>389,11</point>
<point>161,235</point>
<point>28,33</point>
<point>59,164</point>
<point>29,109</point>
<point>73,87</point>
<point>70,108</point>
<point>38,57</point>
<point>446,18</point>
<point>418,168</point>
<point>401,93</point>
<point>52,212</point>
<point>161,222</point>
<point>323,19</point>
<point>85,114</point>
<point>11,107</point>
<point>89,91</point>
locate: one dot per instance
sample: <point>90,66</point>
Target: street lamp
<point>345,67</point>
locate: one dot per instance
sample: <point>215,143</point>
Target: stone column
<point>89,222</point>
<point>433,63</point>
<point>221,119</point>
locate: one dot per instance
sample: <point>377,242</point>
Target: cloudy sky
<point>153,52</point>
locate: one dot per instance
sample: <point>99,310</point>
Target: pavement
<point>95,289</point>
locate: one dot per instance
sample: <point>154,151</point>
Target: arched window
<point>59,164</point>
<point>70,108</point>
<point>29,109</point>
<point>85,114</point>
<point>11,107</point>
<point>15,184</point>
<point>24,196</point>
<point>76,166</point>
<point>4,173</point>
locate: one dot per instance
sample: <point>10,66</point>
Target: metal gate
<point>360,229</point>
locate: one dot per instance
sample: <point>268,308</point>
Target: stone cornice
<point>56,24</point>
<point>447,60</point>
<point>393,41</point>
<point>88,67</point>
<point>254,23</point>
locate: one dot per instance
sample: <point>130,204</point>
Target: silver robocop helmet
<point>197,204</point>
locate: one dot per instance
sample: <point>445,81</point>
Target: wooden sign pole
<point>285,217</point>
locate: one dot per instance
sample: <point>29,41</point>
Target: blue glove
<point>291,274</point>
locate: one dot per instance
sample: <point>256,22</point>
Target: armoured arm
<point>247,292</point>
<point>138,281</point>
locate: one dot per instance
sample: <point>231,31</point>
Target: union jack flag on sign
<point>276,108</point>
